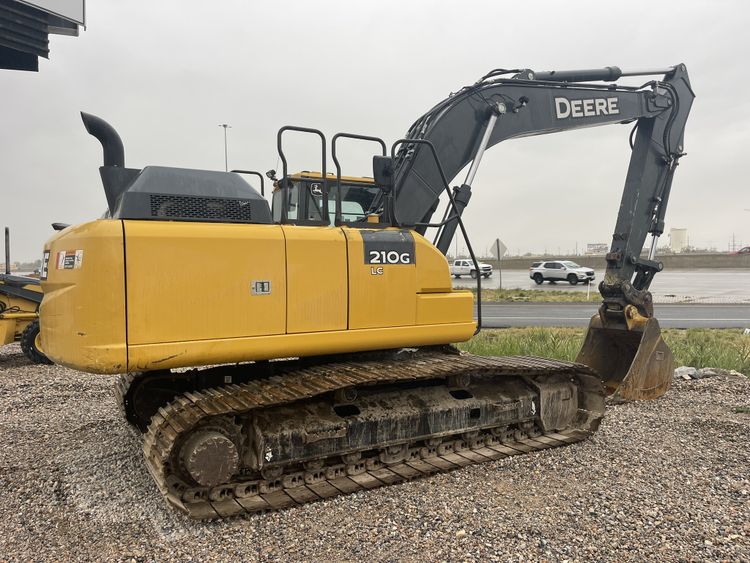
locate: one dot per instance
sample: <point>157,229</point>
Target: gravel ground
<point>666,480</point>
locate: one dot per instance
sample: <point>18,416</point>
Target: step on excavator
<point>318,331</point>
<point>20,297</point>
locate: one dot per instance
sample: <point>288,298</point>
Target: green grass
<point>538,295</point>
<point>726,348</point>
<point>700,348</point>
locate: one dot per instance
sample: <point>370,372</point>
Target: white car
<point>560,270</point>
<point>466,268</point>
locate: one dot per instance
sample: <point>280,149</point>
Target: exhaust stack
<point>114,152</point>
<point>115,177</point>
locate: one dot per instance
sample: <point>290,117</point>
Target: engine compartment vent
<point>170,206</point>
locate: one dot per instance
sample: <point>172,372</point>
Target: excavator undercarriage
<point>282,433</point>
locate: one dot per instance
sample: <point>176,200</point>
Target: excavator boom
<point>624,341</point>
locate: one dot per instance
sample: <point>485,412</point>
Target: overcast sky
<point>166,73</point>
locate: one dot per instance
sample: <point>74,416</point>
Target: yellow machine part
<point>149,295</point>
<point>82,315</point>
<point>20,312</point>
<point>192,281</point>
<point>12,325</point>
<point>7,330</point>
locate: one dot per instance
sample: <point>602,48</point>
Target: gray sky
<point>166,73</point>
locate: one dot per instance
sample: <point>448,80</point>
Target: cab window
<point>306,201</point>
<point>356,200</point>
<point>309,208</point>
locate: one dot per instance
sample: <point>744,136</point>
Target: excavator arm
<point>624,335</point>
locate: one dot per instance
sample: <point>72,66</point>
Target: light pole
<point>225,126</point>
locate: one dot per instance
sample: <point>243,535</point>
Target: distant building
<point>25,27</point>
<point>597,248</point>
<point>678,240</point>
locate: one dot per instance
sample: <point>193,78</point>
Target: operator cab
<point>323,199</point>
<point>306,200</point>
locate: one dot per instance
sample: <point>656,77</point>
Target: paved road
<point>500,315</point>
<point>699,285</point>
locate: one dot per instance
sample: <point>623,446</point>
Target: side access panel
<point>316,279</point>
<point>382,278</point>
<point>203,281</point>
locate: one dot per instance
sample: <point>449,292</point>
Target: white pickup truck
<point>463,267</point>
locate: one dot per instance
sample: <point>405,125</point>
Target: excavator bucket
<point>633,359</point>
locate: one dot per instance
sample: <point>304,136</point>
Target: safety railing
<point>457,216</point>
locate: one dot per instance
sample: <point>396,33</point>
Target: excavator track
<point>220,451</point>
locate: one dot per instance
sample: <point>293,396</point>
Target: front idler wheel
<point>210,458</point>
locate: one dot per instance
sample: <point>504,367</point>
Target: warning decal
<point>69,259</point>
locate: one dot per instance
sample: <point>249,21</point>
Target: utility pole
<point>7,251</point>
<point>226,162</point>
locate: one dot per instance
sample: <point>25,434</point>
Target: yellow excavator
<point>325,320</point>
<point>20,297</point>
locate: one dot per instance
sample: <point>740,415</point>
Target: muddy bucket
<point>633,360</point>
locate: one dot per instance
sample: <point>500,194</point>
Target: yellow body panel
<point>82,316</point>
<point>439,308</point>
<point>433,274</point>
<point>379,295</point>
<point>177,354</point>
<point>187,290</point>
<point>193,281</point>
<point>316,272</point>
